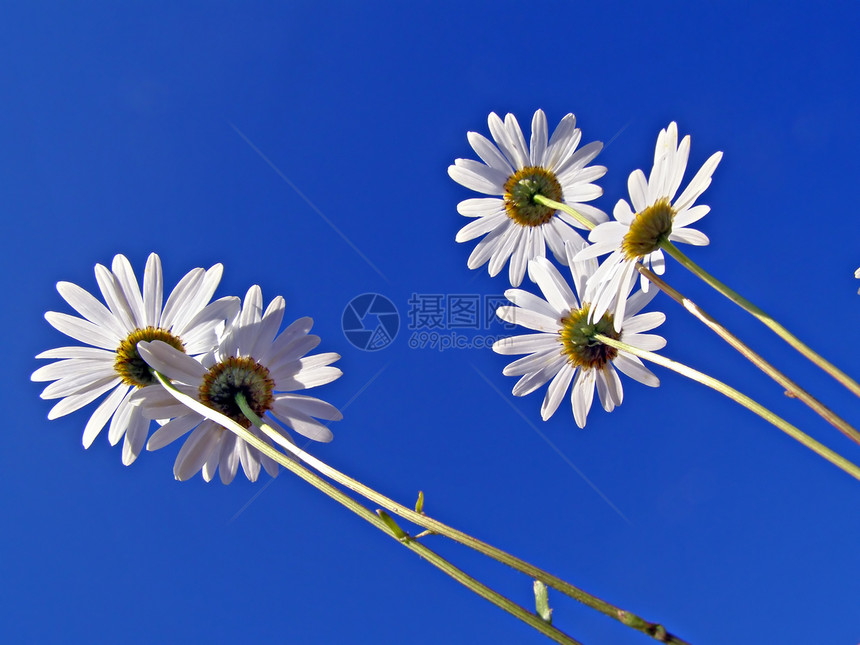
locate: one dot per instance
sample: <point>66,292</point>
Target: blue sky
<point>250,135</point>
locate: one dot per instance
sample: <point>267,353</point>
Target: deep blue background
<point>127,129</point>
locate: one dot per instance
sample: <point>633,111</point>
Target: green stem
<point>738,397</point>
<point>767,320</point>
<point>339,496</point>
<point>792,389</point>
<point>582,219</point>
<point>654,630</point>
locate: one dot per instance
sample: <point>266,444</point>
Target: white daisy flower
<point>515,226</point>
<point>564,349</point>
<point>111,364</point>
<point>250,359</point>
<point>636,236</point>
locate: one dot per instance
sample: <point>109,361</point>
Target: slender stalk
<point>339,496</point>
<point>792,389</point>
<point>767,320</point>
<point>655,630</point>
<point>582,219</point>
<point>795,433</point>
<point>410,543</point>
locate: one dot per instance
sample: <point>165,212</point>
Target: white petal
<point>528,319</point>
<point>488,153</point>
<point>581,157</point>
<point>128,283</point>
<point>196,450</point>
<point>690,216</point>
<point>71,367</point>
<point>532,363</point>
<point>521,256</point>
<point>181,299</point>
<point>76,401</point>
<point>307,378</point>
<point>310,406</point>
<point>480,226</point>
<point>120,420</point>
<point>530,382</point>
<point>554,287</point>
<point>648,342</point>
<point>526,344</point>
<point>689,236</point>
<point>90,308</point>
<point>300,422</point>
<point>633,367</point>
<point>115,298</point>
<point>83,330</point>
<point>528,300</point>
<point>622,213</point>
<point>80,382</point>
<point>266,331</point>
<point>505,249</point>
<point>637,185</point>
<point>153,292</point>
<point>173,429</point>
<point>698,183</point>
<point>135,437</point>
<point>228,461</point>
<point>484,250</point>
<point>77,351</point>
<point>556,391</point>
<point>102,413</point>
<point>642,322</point>
<point>581,396</point>
<point>481,206</point>
<point>477,177</point>
<point>539,138</point>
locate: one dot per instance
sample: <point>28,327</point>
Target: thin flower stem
<point>654,630</point>
<point>364,513</point>
<point>582,219</point>
<point>792,389</point>
<point>410,543</point>
<point>738,397</point>
<point>767,320</point>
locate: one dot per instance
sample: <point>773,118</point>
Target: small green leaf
<point>390,523</point>
<point>542,602</point>
<point>419,505</point>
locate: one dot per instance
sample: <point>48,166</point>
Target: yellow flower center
<point>130,366</point>
<point>520,191</point>
<point>231,376</point>
<point>578,342</point>
<point>650,227</point>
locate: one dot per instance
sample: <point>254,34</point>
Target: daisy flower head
<point>564,350</point>
<point>656,216</point>
<point>252,359</point>
<point>516,227</point>
<point>111,363</point>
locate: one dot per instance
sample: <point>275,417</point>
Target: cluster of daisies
<point>211,351</point>
<point>527,188</point>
